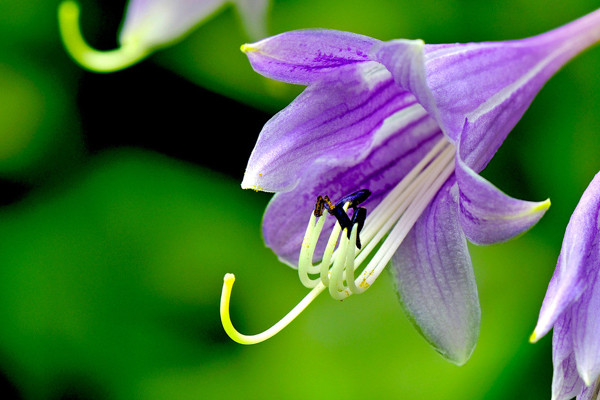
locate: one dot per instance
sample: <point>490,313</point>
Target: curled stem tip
<point>88,57</point>
<point>261,337</point>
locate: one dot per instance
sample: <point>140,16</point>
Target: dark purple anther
<point>354,198</point>
<point>358,218</point>
<point>342,217</point>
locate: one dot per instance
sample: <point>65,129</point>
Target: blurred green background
<point>116,228</point>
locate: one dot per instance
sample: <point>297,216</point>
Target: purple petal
<point>589,393</point>
<point>489,216</point>
<point>157,22</point>
<point>405,59</point>
<point>577,262</point>
<point>331,124</point>
<point>397,147</point>
<point>483,87</point>
<point>566,382</point>
<point>435,280</point>
<point>307,56</point>
<point>586,326</point>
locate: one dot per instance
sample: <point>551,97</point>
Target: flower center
<point>387,226</point>
<point>384,230</point>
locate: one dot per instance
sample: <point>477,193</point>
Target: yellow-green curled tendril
<point>272,331</point>
<point>88,57</point>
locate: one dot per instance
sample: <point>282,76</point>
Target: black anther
<point>342,217</point>
<point>354,199</point>
<point>358,218</point>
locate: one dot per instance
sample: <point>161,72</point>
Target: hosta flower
<point>572,304</point>
<point>149,25</point>
<point>413,124</point>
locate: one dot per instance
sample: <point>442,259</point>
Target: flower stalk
<point>94,60</point>
<point>149,25</point>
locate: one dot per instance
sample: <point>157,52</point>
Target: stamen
<point>273,330</point>
<point>336,284</point>
<point>319,207</point>
<point>350,201</point>
<point>344,268</point>
<point>383,218</point>
<point>354,199</point>
<point>350,261</point>
<point>324,267</point>
<point>358,219</point>
<point>328,202</point>
<point>426,193</point>
<point>340,214</point>
<point>311,237</point>
<point>88,57</point>
<point>394,216</point>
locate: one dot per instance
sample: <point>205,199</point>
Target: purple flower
<point>572,304</point>
<point>149,25</point>
<point>413,124</point>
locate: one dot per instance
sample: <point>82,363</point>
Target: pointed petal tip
<point>245,48</point>
<point>460,361</point>
<point>534,337</point>
<point>458,358</point>
<point>251,181</point>
<point>542,206</point>
<point>587,379</point>
<point>549,313</point>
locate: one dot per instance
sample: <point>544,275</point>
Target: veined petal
<point>405,59</point>
<point>577,262</point>
<point>397,146</point>
<point>483,88</point>
<point>566,382</point>
<point>588,393</point>
<point>586,326</point>
<point>435,280</point>
<point>254,16</point>
<point>307,56</point>
<point>331,123</point>
<point>489,216</point>
<point>157,22</point>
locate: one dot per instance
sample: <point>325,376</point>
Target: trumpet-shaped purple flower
<point>572,303</point>
<point>149,25</point>
<point>413,124</point>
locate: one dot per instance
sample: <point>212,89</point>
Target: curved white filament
<point>273,330</point>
